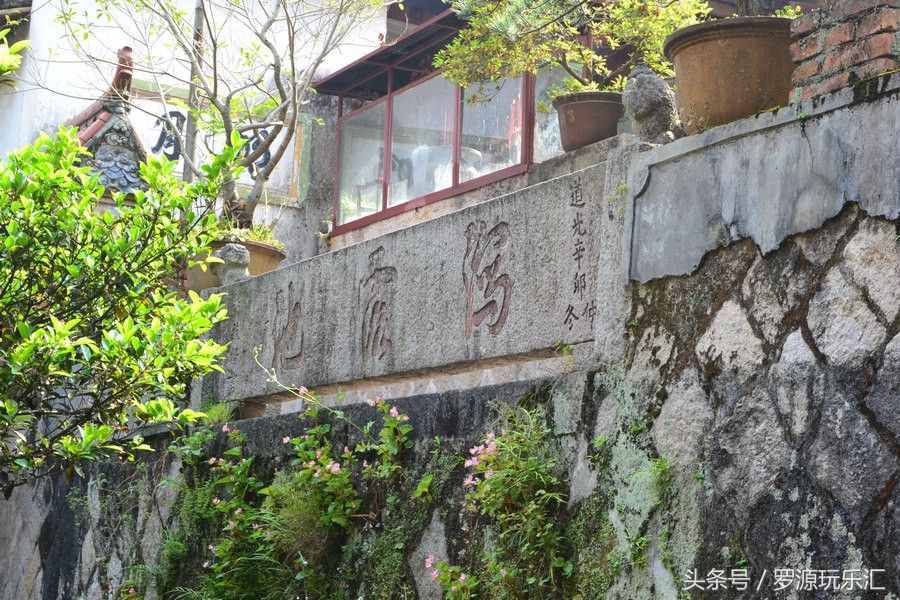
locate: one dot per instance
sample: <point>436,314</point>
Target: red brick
<point>876,67</point>
<point>809,46</point>
<point>832,84</point>
<point>883,19</point>
<point>840,34</point>
<point>881,44</point>
<point>805,70</point>
<point>846,8</point>
<point>806,23</point>
<point>844,57</point>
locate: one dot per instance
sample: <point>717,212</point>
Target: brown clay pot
<point>730,69</point>
<point>587,117</point>
<point>263,258</point>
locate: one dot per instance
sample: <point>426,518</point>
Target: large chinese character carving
<point>169,140</point>
<point>488,288</point>
<point>288,329</point>
<point>377,291</point>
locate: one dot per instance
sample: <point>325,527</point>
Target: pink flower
<point>469,481</point>
<point>211,461</point>
<point>394,412</point>
<point>365,464</point>
<point>286,439</point>
<point>335,468</point>
<point>310,464</point>
<point>211,548</point>
<point>302,390</point>
<point>372,402</point>
<point>429,561</point>
<point>226,428</point>
<point>346,450</point>
<point>238,511</point>
<point>434,574</point>
<point>216,500</point>
<point>462,577</point>
<point>471,462</point>
<point>403,418</point>
<point>231,525</point>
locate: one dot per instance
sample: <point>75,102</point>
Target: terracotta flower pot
<point>730,69</point>
<point>263,258</point>
<point>587,117</point>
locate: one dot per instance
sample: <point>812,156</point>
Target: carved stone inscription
<point>288,329</point>
<point>488,288</point>
<point>377,295</point>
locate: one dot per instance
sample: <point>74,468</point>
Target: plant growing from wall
<point>514,481</point>
<point>90,333</point>
<point>507,38</point>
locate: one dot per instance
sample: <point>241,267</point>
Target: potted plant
<point>595,43</point>
<point>732,68</point>
<point>266,253</point>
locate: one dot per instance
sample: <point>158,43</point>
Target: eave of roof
<point>351,81</point>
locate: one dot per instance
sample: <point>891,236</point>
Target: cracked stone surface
<point>731,340</point>
<point>845,329</point>
<point>871,258</point>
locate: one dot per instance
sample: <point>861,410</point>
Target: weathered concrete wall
<point>765,178</point>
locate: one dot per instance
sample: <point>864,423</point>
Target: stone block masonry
<point>842,44</point>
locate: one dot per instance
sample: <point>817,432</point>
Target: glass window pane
<point>492,131</point>
<point>546,124</point>
<point>422,140</point>
<point>362,164</point>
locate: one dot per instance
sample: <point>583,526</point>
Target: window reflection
<point>422,140</point>
<point>362,166</point>
<point>546,124</point>
<point>492,131</point>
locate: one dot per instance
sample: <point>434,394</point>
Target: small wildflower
<point>429,561</point>
<point>434,574</point>
<point>226,428</point>
<point>286,439</point>
<point>346,450</point>
<point>471,462</point>
<point>238,511</point>
<point>231,525</point>
<point>372,402</point>
<point>469,481</point>
<point>403,418</point>
<point>335,468</point>
<point>206,564</point>
<point>211,461</point>
<point>488,473</point>
<point>211,548</point>
<point>394,412</point>
<point>462,577</point>
<point>216,500</point>
<point>365,464</point>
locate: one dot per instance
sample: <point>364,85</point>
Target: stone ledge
<point>764,178</point>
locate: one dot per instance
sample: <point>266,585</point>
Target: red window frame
<point>525,157</point>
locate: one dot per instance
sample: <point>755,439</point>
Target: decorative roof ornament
<point>106,131</point>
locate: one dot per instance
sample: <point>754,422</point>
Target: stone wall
<point>846,42</point>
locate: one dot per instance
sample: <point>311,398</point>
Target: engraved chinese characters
<point>377,293</point>
<point>488,287</point>
<point>581,307</point>
<point>288,329</point>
